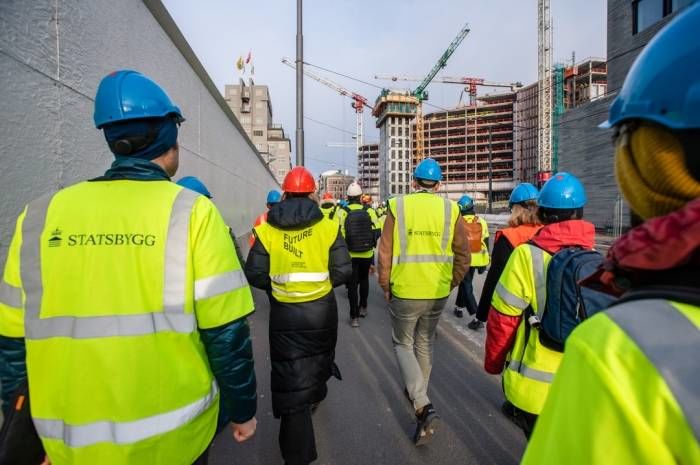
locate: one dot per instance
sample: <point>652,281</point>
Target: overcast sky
<point>362,38</point>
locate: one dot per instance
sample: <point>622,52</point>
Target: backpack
<point>474,232</point>
<point>359,230</point>
<point>568,304</point>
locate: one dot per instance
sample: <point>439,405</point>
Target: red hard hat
<point>299,181</point>
<point>328,196</point>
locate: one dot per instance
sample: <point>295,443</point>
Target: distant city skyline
<point>362,38</point>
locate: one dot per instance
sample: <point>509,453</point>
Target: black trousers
<point>297,441</point>
<point>360,278</point>
<point>465,293</point>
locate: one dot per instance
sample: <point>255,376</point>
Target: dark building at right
<point>584,149</point>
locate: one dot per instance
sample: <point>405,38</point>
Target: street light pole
<point>300,87</point>
<point>490,175</point>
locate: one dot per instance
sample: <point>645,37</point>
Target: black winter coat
<point>302,335</point>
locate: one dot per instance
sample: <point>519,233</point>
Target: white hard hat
<point>354,190</point>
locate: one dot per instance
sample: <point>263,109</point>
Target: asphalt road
<point>366,420</point>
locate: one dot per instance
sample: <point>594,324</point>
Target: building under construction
<point>368,169</point>
<point>466,141</point>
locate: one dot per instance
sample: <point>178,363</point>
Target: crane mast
<point>544,91</point>
<point>421,94</point>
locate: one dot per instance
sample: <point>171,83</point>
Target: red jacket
<point>663,250</point>
<point>501,329</point>
<point>262,218</point>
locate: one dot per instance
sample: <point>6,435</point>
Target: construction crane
<point>544,91</point>
<point>358,101</point>
<point>470,83</point>
<point>420,91</point>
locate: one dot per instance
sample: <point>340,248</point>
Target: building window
<point>258,133</point>
<point>393,165</point>
<point>646,13</point>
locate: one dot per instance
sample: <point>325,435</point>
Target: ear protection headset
<point>129,145</point>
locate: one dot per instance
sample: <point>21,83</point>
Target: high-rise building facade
<point>368,170</point>
<point>394,111</point>
<point>252,106</point>
<point>470,142</point>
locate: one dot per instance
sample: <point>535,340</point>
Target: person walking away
<point>627,389</point>
<point>127,296</point>
<point>423,255</point>
<point>298,257</point>
<point>360,227</point>
<point>513,343</point>
<point>195,184</point>
<point>522,225</point>
<point>478,234</point>
<point>328,206</point>
<point>273,198</point>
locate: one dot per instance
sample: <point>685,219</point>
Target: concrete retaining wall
<point>52,57</point>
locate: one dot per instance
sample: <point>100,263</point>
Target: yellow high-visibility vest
<point>422,246</point>
<point>480,258</point>
<point>626,391</point>
<point>299,260</point>
<point>111,281</point>
<point>530,365</point>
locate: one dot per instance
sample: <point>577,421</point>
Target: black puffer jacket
<point>302,335</point>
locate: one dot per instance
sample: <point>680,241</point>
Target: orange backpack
<point>474,234</point>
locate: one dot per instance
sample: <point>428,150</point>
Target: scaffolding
<point>557,111</point>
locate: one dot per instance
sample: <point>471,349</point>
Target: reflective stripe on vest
<point>173,317</point>
<point>126,432</point>
<point>510,298</point>
<point>299,278</point>
<point>540,278</point>
<point>219,284</point>
<point>670,341</point>
<point>10,295</point>
<point>532,373</point>
<point>403,256</point>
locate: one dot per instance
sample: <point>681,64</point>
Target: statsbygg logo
<point>102,239</point>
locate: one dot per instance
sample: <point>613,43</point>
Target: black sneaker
<point>459,312</point>
<point>475,324</point>
<point>426,425</point>
<point>363,312</point>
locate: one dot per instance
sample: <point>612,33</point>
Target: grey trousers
<point>413,325</point>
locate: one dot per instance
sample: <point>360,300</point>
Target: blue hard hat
<point>193,183</point>
<point>522,193</point>
<point>465,202</point>
<point>663,85</point>
<point>429,170</point>
<point>273,197</point>
<point>562,191</point>
<point>126,95</point>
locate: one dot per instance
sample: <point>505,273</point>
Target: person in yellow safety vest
<point>328,206</point>
<point>523,223</point>
<point>423,255</point>
<point>479,259</point>
<point>129,298</point>
<point>360,228</point>
<point>627,390</point>
<point>513,346</point>
<point>298,257</point>
<point>273,198</point>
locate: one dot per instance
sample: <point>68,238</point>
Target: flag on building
<point>239,64</point>
<point>247,60</point>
